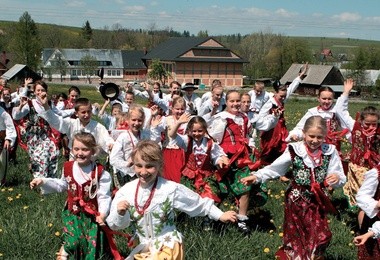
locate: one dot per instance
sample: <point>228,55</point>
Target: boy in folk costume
<point>69,126</point>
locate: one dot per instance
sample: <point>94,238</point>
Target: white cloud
<point>154,3</point>
<point>75,3</point>
<point>285,13</point>
<point>121,2</point>
<point>347,17</point>
<point>317,15</point>
<point>134,8</point>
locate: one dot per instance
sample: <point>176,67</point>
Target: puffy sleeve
<point>114,220</point>
<point>104,193</point>
<point>366,193</point>
<point>193,204</point>
<point>53,185</point>
<point>336,167</point>
<point>278,168</point>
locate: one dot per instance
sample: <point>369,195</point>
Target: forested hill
<point>268,54</point>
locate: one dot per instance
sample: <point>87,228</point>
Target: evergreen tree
<point>87,31</point>
<point>25,42</point>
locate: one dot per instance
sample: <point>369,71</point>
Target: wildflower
<point>281,234</point>
<point>2,190</point>
<point>266,250</point>
<point>271,231</point>
<point>50,224</point>
<point>352,232</point>
<point>10,189</point>
<point>25,207</point>
<point>328,221</point>
<point>10,198</point>
<point>277,197</point>
<point>271,221</point>
<point>57,234</point>
<point>1,230</point>
<point>1,254</point>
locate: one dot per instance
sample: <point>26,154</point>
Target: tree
<point>87,31</point>
<point>59,65</point>
<point>157,71</point>
<point>90,65</point>
<point>26,43</point>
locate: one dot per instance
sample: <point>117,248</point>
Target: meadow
<point>31,228</point>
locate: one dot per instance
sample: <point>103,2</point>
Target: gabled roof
<point>20,71</point>
<point>114,56</point>
<point>175,47</point>
<point>316,75</point>
<point>132,59</point>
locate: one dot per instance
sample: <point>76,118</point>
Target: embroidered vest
<point>234,136</point>
<point>78,195</point>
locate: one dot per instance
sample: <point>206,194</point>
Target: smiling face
<point>73,95</point>
<point>178,109</point>
<point>233,102</point>
<point>39,91</point>
<point>314,137</point>
<point>245,103</point>
<point>326,100</point>
<point>197,132</point>
<point>135,121</point>
<point>146,171</point>
<point>82,153</point>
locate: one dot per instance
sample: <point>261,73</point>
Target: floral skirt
<point>166,253</point>
<point>355,178</point>
<point>43,155</point>
<point>83,238</point>
<point>306,231</point>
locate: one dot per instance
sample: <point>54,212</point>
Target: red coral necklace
<point>149,200</point>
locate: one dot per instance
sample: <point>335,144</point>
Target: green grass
<point>31,227</point>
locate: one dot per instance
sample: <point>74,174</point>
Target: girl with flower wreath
<point>147,205</point>
<point>315,166</point>
<point>88,200</point>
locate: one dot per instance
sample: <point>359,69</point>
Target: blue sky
<point>337,18</point>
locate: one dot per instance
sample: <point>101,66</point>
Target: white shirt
<point>6,123</point>
<point>365,198</point>
<point>153,231</point>
<point>258,101</point>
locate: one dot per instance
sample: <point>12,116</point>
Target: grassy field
<point>30,225</point>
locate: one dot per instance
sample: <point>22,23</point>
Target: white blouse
<point>281,165</point>
<point>156,228</point>
<point>52,185</point>
<point>366,201</point>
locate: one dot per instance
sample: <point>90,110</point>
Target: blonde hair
<point>136,108</point>
<point>317,122</point>
<point>87,139</point>
<point>149,151</point>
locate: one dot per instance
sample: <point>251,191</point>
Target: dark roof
<point>316,75</point>
<point>174,48</point>
<point>132,59</point>
<point>20,72</point>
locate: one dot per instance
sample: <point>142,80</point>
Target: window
<point>73,72</point>
<point>108,72</point>
<point>118,73</point>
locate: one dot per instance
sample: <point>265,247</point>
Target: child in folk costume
<point>230,128</point>
<point>365,151</point>
<point>336,128</point>
<point>109,120</point>
<point>272,142</point>
<point>82,122</point>
<point>36,136</point>
<point>368,199</point>
<point>120,156</point>
<point>201,156</point>
<point>173,155</point>
<point>88,200</point>
<point>315,166</point>
<point>148,205</point>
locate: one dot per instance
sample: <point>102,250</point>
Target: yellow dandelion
<point>352,232</point>
<point>282,195</point>
<point>25,207</point>
<point>281,234</point>
<point>232,207</point>
<point>10,198</point>
<point>2,190</point>
<point>344,223</point>
<point>17,197</point>
<point>225,204</point>
<point>282,191</point>
<point>1,230</point>
<point>271,221</point>
<point>271,196</point>
<point>1,254</point>
<point>328,221</point>
<point>271,231</point>
<point>350,244</point>
<point>57,234</point>
<point>10,189</point>
<point>50,224</point>
<point>19,194</point>
<point>277,197</point>
<point>266,250</point>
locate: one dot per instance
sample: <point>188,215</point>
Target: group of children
<point>189,154</point>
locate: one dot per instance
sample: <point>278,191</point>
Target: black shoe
<point>243,227</point>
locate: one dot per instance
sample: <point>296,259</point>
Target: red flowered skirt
<point>306,231</point>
